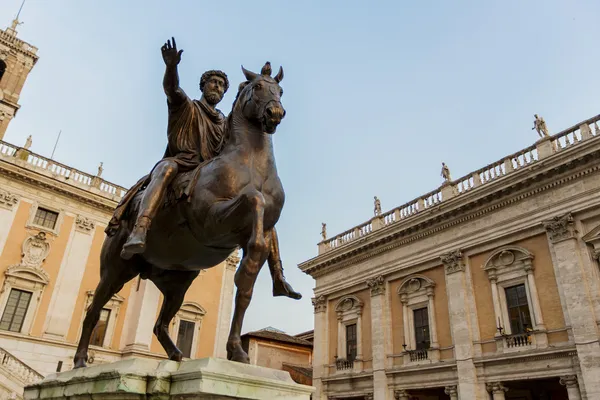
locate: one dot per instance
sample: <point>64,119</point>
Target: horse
<point>236,201</point>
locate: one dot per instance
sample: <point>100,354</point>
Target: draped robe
<point>195,133</point>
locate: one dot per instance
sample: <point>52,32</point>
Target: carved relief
<point>7,199</point>
<point>84,224</point>
<point>560,228</point>
<point>496,387</point>
<point>377,285</point>
<point>35,250</point>
<point>453,261</point>
<point>320,304</point>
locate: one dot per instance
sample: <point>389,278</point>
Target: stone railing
<point>19,369</point>
<point>418,355</point>
<point>518,340</point>
<point>515,162</point>
<point>341,364</point>
<point>17,42</point>
<point>56,170</point>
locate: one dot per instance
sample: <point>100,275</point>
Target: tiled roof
<point>301,369</point>
<point>277,336</point>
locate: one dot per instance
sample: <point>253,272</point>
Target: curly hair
<point>206,76</point>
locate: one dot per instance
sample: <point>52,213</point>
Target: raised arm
<point>172,57</point>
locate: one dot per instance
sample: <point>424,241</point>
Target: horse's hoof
<point>178,356</point>
<point>80,363</point>
<point>238,355</point>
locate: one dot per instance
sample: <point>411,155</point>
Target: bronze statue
<point>233,198</point>
<point>540,126</point>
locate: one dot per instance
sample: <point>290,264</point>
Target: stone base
<point>207,378</point>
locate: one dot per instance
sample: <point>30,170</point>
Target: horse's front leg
<point>256,251</point>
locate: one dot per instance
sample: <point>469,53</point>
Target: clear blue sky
<point>377,94</point>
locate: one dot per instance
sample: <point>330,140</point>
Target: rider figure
<point>196,133</point>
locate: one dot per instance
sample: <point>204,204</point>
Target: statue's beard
<point>212,98</point>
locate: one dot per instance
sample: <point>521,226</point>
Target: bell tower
<point>17,58</point>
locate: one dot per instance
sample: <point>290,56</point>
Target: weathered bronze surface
<point>230,197</point>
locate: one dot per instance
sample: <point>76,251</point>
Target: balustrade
<point>418,355</point>
<point>517,340</point>
<point>514,162</point>
<point>342,364</point>
<point>18,368</point>
<point>57,170</point>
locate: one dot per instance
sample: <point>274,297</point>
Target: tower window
<point>2,68</point>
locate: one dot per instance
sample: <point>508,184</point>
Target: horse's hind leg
<point>111,281</point>
<point>173,285</point>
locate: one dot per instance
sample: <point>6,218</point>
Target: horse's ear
<point>249,74</point>
<point>279,77</point>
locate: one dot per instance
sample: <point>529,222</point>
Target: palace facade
<point>486,288</point>
<point>52,221</point>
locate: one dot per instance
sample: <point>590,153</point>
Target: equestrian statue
<point>215,190</point>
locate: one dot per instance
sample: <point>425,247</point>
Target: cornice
<point>496,195</point>
<point>32,177</point>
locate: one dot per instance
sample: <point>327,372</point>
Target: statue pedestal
<point>207,378</point>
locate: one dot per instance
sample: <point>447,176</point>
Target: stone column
<point>497,389</point>
<point>8,208</point>
<point>570,382</point>
<point>432,323</point>
<point>320,346</point>
<point>537,310</point>
<point>401,395</point>
<point>359,349</point>
<point>341,336</point>
<point>140,317</point>
<point>571,279</point>
<point>378,340</point>
<point>68,282</point>
<point>405,322</point>
<point>496,298</point>
<point>452,391</point>
<point>460,323</point>
<point>225,305</point>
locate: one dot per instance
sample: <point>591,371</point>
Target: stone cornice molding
<point>453,262</point>
<point>442,217</point>
<point>561,228</point>
<point>320,304</point>
<point>39,180</point>
<point>233,260</point>
<point>7,199</point>
<point>84,224</point>
<point>377,285</point>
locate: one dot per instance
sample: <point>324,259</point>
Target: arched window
<point>419,318</point>
<point>2,68</point>
<point>349,316</point>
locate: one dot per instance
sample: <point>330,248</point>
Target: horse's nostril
<point>270,112</point>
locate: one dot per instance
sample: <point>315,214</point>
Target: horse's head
<point>260,98</point>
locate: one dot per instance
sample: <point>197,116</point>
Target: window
<point>185,337</point>
<point>421,320</point>
<point>99,332</point>
<point>15,310</point>
<point>518,309</point>
<point>45,218</point>
<point>351,342</point>
<point>2,68</point>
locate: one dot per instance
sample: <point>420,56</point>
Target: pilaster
<point>225,305</point>
<point>456,288</point>
<point>378,339</point>
<point>320,346</point>
<point>572,281</point>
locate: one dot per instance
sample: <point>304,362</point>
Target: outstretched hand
<point>171,56</point>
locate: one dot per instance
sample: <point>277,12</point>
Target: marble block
<point>207,378</point>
